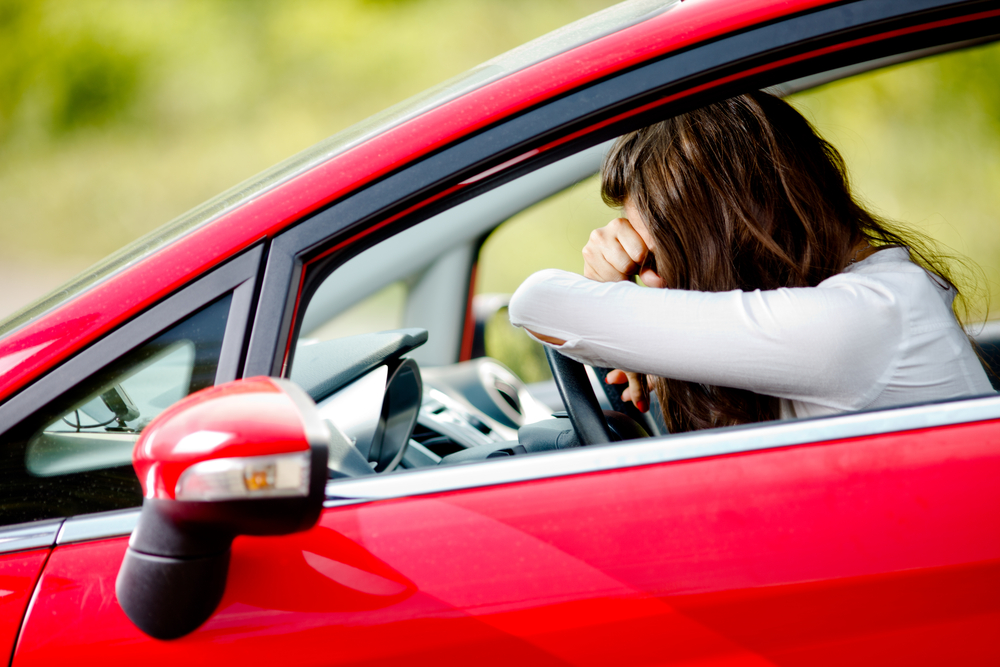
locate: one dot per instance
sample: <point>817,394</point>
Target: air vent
<point>434,441</point>
<point>508,393</point>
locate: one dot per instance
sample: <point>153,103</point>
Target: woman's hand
<point>637,391</point>
<point>614,252</point>
<point>618,251</point>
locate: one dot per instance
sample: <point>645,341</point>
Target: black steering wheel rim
<point>578,396</point>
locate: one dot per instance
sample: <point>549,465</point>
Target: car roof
<point>115,290</point>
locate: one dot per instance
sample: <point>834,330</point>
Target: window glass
<point>75,456</point>
<point>99,431</point>
<point>547,235</point>
<point>379,312</point>
<point>922,144</point>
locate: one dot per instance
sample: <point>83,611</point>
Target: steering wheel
<point>592,424</point>
<point>578,396</point>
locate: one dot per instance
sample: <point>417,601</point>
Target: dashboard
<point>399,416</point>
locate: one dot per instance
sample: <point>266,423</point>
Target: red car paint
<point>18,576</point>
<point>48,340</point>
<point>252,417</point>
<point>865,551</point>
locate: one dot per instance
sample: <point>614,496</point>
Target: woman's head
<point>741,194</point>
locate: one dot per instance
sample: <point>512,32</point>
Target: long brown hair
<point>741,194</point>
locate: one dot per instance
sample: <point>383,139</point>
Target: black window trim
<point>238,276</point>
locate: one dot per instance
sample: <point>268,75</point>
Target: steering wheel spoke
<point>578,396</point>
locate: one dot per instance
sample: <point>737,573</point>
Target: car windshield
<point>581,32</point>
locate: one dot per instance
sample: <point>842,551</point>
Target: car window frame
<point>238,276</point>
<point>792,48</point>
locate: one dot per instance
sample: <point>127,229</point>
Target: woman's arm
<point>832,344</point>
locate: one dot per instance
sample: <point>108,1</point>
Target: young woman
<point>778,294</point>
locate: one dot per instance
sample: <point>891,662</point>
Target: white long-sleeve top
<point>881,333</point>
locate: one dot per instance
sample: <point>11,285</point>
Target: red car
<point>391,500</point>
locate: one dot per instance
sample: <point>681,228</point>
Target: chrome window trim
<point>98,526</point>
<point>35,535</point>
<point>120,523</point>
<point>660,450</point>
<point>57,532</point>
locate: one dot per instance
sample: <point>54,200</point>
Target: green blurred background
<point>118,115</point>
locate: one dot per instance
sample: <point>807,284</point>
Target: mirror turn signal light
<point>278,476</point>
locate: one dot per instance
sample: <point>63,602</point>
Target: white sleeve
<point>836,344</point>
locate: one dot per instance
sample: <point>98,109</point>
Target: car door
<point>803,544</point>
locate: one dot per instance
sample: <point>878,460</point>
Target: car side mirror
<point>244,458</point>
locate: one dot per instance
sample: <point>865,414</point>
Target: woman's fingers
<point>636,392</point>
<point>614,252</point>
<point>651,278</point>
<point>616,377</point>
<point>604,259</point>
<point>630,240</point>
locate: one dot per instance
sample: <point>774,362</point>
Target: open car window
<point>430,264</point>
<point>921,147</point>
<point>927,168</point>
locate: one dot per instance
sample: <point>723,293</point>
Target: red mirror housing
<point>246,419</point>
<point>244,458</point>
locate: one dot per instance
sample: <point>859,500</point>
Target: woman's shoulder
<point>890,258</point>
<point>921,296</point>
<point>891,266</point>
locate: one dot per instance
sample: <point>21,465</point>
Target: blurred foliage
<point>513,347</point>
<point>116,115</point>
<point>922,142</point>
<point>922,145</point>
<point>547,235</point>
<point>58,75</point>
